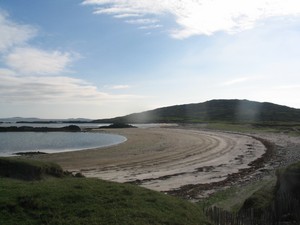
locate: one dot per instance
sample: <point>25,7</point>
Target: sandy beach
<point>165,159</point>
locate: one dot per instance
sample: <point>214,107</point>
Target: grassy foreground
<point>70,200</point>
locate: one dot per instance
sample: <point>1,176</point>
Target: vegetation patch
<point>69,200</point>
<point>20,168</point>
<point>266,202</point>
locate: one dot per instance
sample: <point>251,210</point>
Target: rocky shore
<point>282,151</point>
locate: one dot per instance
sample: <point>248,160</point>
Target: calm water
<point>54,125</point>
<point>82,125</point>
<point>51,142</point>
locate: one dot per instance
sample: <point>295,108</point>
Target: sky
<point>105,58</point>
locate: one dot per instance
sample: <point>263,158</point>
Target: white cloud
<point>202,17</point>
<point>96,2</point>
<point>121,86</point>
<point>236,81</point>
<point>6,72</point>
<point>28,73</point>
<point>289,87</point>
<point>17,54</point>
<point>13,33</point>
<point>114,10</point>
<point>126,15</point>
<point>142,21</point>
<point>27,60</point>
<point>28,87</point>
<point>52,90</point>
<point>152,26</point>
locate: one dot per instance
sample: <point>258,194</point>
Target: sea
<point>54,142</point>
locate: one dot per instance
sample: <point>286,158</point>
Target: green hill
<point>214,111</point>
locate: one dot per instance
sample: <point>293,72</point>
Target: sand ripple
<point>165,159</point>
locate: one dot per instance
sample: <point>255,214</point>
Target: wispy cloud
<point>201,17</point>
<point>34,75</point>
<point>121,86</point>
<point>142,21</point>
<point>13,33</point>
<point>115,10</point>
<point>52,89</point>
<point>236,81</point>
<point>153,26</point>
<point>288,87</point>
<point>28,60</point>
<point>20,56</point>
<point>126,15</point>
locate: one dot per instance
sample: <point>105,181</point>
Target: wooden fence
<point>284,211</point>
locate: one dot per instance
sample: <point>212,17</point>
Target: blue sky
<point>106,58</point>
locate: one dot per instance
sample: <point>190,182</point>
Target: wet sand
<point>165,159</point>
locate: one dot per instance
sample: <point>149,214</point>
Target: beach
<point>165,159</point>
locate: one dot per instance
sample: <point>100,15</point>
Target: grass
<point>260,194</point>
<point>279,127</point>
<point>232,199</point>
<point>261,198</point>
<point>28,169</point>
<point>70,200</point>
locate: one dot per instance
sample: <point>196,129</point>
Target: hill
<point>213,111</point>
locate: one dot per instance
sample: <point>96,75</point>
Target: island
<point>71,128</point>
<point>118,125</point>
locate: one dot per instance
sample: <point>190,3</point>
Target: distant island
<point>233,111</point>
<point>71,128</point>
<point>30,153</point>
<point>53,121</point>
<point>118,125</point>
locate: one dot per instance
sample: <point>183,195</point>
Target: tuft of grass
<point>26,169</point>
<point>260,199</point>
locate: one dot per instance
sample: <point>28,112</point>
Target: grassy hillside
<point>69,200</point>
<point>215,110</point>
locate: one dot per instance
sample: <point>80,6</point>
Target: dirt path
<point>165,159</point>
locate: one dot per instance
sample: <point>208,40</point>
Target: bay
<point>53,142</point>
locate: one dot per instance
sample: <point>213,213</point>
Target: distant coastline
<point>71,128</point>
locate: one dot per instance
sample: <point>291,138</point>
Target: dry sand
<point>164,159</point>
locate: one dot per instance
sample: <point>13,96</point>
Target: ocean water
<point>54,125</point>
<point>53,142</point>
<point>81,125</point>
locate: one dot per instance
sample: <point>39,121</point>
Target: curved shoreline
<point>198,191</point>
<point>165,159</point>
<point>34,143</point>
